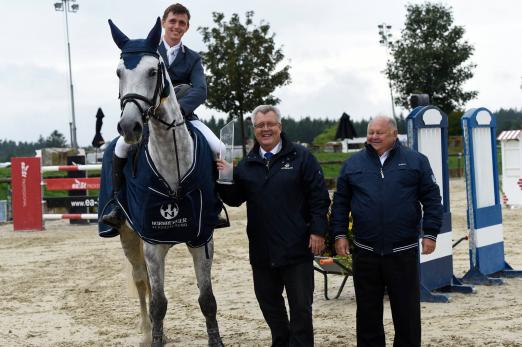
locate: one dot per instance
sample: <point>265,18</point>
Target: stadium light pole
<point>386,41</point>
<point>66,6</point>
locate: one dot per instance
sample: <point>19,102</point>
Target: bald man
<point>387,188</point>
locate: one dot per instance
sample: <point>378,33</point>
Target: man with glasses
<point>287,203</point>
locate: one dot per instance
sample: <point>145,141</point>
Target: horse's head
<point>143,81</point>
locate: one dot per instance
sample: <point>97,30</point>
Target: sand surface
<point>66,286</point>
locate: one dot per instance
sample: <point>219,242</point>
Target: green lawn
<point>331,170</point>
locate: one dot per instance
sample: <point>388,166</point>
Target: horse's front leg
<point>207,301</point>
<point>132,246</point>
<point>155,259</point>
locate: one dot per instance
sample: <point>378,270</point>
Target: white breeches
<point>216,146</point>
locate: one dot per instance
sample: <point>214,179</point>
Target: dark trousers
<point>398,274</point>
<point>298,282</point>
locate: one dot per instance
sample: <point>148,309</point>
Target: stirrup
<point>114,218</point>
<point>223,221</point>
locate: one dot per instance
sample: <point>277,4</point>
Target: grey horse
<point>147,95</point>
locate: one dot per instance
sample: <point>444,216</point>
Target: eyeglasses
<point>268,125</point>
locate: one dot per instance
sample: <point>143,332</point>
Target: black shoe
<point>115,218</point>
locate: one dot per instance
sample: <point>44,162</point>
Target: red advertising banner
<point>27,193</point>
<point>91,183</point>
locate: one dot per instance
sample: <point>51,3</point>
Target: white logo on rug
<point>169,211</point>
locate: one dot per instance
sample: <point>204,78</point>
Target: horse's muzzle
<point>131,131</point>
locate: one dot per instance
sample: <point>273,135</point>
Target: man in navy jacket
<point>384,187</point>
<point>287,202</point>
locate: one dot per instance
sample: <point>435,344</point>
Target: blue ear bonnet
<point>133,50</point>
<point>140,46</point>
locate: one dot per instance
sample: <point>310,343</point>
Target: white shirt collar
<point>274,150</point>
<point>384,156</point>
<point>167,47</point>
<point>172,52</point>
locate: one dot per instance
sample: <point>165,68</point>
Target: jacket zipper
<point>382,219</point>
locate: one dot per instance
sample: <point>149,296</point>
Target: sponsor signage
<point>91,183</point>
<point>72,201</point>
<point>27,193</point>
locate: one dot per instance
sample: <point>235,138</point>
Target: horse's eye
<point>152,72</point>
<point>118,73</point>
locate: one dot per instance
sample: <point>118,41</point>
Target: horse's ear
<point>155,34</point>
<point>119,38</point>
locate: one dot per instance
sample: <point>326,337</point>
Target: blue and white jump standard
<point>428,134</point>
<point>486,243</point>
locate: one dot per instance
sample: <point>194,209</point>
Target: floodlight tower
<point>67,6</point>
<point>386,41</point>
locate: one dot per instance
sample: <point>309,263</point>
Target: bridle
<point>161,91</point>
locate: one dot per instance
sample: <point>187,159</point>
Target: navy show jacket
<point>187,69</point>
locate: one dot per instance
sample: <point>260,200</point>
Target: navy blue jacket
<point>287,200</point>
<point>385,200</point>
<point>187,69</point>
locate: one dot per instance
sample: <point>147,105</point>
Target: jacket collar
<point>286,148</point>
<point>163,52</point>
<point>371,150</point>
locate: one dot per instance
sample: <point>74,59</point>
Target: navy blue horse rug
<point>157,213</point>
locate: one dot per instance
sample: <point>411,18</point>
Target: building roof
<point>509,135</point>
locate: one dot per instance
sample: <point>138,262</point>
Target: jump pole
<point>26,175</point>
<point>486,241</point>
<point>428,134</point>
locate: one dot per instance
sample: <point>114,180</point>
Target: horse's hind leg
<point>155,259</point>
<point>133,248</point>
<point>207,301</point>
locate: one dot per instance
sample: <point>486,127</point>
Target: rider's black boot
<point>116,218</point>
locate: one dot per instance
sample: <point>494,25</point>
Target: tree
<point>243,66</point>
<point>56,139</point>
<point>431,57</point>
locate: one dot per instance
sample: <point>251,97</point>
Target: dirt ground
<point>66,286</point>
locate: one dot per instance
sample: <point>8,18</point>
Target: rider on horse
<point>187,75</point>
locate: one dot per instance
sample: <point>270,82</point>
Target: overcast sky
<point>332,47</point>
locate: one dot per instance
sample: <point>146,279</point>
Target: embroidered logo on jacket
<point>287,166</point>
